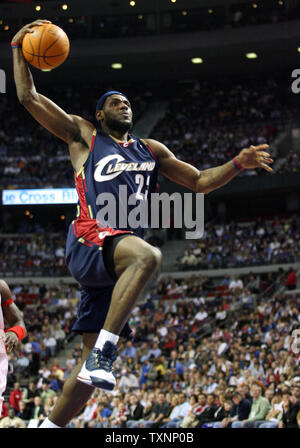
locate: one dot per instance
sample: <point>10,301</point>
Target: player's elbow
<point>204,184</point>
<point>202,187</point>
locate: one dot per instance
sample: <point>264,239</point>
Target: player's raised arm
<point>11,313</point>
<point>47,113</point>
<point>212,178</point>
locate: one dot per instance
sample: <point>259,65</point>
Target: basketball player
<point>112,265</point>
<point>10,313</point>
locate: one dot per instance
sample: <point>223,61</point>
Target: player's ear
<point>99,115</point>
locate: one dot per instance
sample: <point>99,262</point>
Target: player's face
<point>117,113</point>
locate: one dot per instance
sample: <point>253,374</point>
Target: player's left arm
<point>13,316</point>
<point>212,178</point>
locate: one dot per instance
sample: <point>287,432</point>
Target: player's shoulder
<point>159,149</point>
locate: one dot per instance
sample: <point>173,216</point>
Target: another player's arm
<point>13,317</point>
<point>71,129</point>
<point>212,178</point>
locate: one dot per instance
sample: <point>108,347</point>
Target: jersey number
<point>140,180</point>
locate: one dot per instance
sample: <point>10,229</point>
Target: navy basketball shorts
<point>92,266</point>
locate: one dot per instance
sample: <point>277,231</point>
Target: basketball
<point>47,47</point>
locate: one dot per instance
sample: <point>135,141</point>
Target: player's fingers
<point>266,159</point>
<point>266,167</point>
<point>259,147</point>
<point>263,154</point>
<point>37,23</point>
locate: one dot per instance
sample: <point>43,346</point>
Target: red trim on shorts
<point>8,302</point>
<point>89,230</point>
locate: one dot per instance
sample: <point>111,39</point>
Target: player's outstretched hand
<point>255,157</point>
<point>11,341</point>
<point>18,38</point>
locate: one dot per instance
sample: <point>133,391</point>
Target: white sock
<point>47,424</point>
<point>106,336</point>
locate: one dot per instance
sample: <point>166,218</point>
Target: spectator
<point>38,409</point>
<point>180,410</point>
<point>121,417</point>
<point>236,285</point>
<point>239,412</point>
<point>128,381</point>
<point>291,280</point>
<point>15,397</point>
<point>259,410</point>
<point>275,415</point>
<point>129,351</point>
<point>24,412</point>
<point>135,410</point>
<point>222,414</point>
<point>46,392</point>
<point>11,421</point>
<point>100,416</point>
<point>208,413</point>
<point>191,421</point>
<point>160,410</point>
<point>291,408</point>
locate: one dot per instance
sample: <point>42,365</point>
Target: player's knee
<point>150,259</point>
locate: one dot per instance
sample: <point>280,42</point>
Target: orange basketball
<point>47,47</point>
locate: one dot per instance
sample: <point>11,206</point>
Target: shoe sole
<point>95,382</point>
<point>102,384</point>
<point>84,380</point>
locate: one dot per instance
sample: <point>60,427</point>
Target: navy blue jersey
<point>111,167</point>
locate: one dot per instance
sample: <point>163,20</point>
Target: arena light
<point>210,11</point>
<point>64,7</point>
<point>173,1</point>
<point>251,55</point>
<point>140,16</point>
<point>71,20</point>
<point>197,60</point>
<point>38,8</point>
<point>254,5</point>
<point>132,3</point>
<point>6,28</point>
<point>298,49</point>
<point>116,65</point>
<point>184,13</point>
